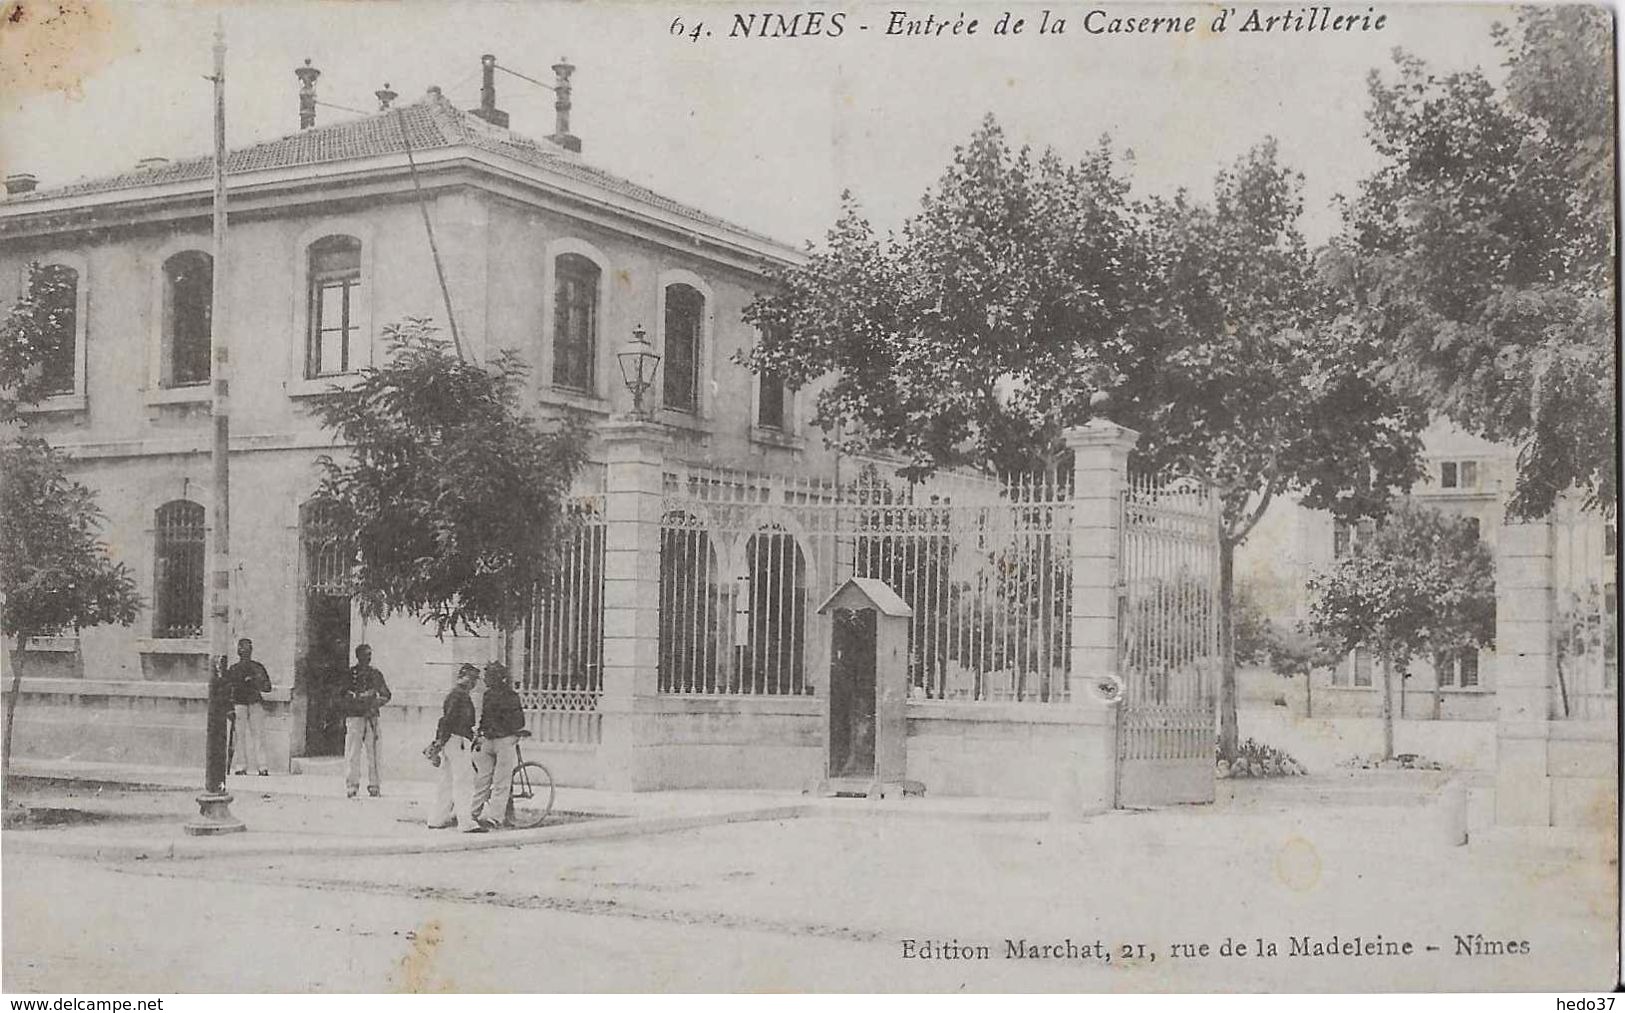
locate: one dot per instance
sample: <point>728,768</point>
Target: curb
<point>33,842</point>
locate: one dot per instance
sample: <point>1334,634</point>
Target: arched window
<point>188,293</point>
<point>178,570</point>
<point>685,315</point>
<point>575,321</point>
<point>332,347</point>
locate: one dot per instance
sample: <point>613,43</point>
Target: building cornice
<point>46,216</point>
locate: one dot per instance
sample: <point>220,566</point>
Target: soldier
<point>249,682</point>
<point>364,693</point>
<point>453,752</point>
<point>502,717</point>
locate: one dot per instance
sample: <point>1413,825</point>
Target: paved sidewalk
<point>120,813</point>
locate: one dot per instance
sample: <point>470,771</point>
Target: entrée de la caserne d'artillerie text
<point>907,23</point>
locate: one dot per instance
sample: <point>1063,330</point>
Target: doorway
<point>327,656</point>
<point>852,694</point>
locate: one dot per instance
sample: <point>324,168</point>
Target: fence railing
<point>746,558</point>
<point>1169,618</point>
<point>563,638</point>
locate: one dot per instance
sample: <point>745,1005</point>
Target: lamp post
<point>638,360</point>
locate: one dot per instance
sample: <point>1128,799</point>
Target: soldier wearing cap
<point>453,751</point>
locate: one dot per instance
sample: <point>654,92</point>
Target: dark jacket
<point>364,691</point>
<point>456,716</point>
<point>503,714</point>
<point>249,681</point>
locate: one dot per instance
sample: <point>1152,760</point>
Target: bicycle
<point>530,799</point>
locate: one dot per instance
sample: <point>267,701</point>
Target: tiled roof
<point>432,123</point>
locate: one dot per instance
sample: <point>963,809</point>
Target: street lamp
<point>638,360</point>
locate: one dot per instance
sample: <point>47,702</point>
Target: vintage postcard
<point>669,497</point>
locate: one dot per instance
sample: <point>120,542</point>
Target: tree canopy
<point>1421,584</point>
<point>454,493</point>
<point>1481,254</point>
<point>1024,286</point>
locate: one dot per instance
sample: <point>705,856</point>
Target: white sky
<point>765,132</point>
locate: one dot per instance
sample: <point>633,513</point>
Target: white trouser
<point>360,736</point>
<point>455,795</point>
<point>493,777</point>
<point>250,737</point>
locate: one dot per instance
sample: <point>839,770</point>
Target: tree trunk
<point>1229,733</point>
<point>1309,692</point>
<point>1387,705</point>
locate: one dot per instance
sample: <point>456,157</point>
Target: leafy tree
<point>1481,254</point>
<point>55,572</point>
<point>1283,646</point>
<point>1248,383</point>
<point>454,493</point>
<point>1422,584</point>
<point>949,344</point>
<point>1025,286</point>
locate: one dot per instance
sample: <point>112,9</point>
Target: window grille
<point>575,321</point>
<point>329,552</point>
<point>335,306</point>
<point>178,555</point>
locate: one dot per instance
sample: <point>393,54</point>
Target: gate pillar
<point>1525,667</point>
<point>1100,452</point>
<point>634,454</point>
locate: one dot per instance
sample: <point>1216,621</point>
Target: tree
<point>1481,253</point>
<point>1024,287</point>
<point>1283,646</point>
<point>1422,584</point>
<point>455,495</point>
<point>55,572</point>
<point>944,344</point>
<point>1250,383</point>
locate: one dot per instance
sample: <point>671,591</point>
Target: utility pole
<point>214,804</point>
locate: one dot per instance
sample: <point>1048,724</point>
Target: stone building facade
<point>543,253</point>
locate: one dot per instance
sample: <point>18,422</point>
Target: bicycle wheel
<point>532,796</point>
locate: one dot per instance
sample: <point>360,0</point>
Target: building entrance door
<point>852,695</point>
<point>327,634</point>
<point>328,554</point>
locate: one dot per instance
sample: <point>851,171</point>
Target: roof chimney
<point>307,76</point>
<point>20,182</point>
<point>488,110</point>
<point>561,106</point>
<point>385,96</point>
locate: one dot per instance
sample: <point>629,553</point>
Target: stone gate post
<point>1525,664</point>
<point>1100,476</point>
<point>634,455</point>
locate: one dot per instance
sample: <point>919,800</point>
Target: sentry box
<point>866,735</point>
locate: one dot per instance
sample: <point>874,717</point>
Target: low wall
<point>158,724</point>
<point>1027,751</point>
<point>1582,760</point>
<point>1322,743</point>
<point>726,742</point>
